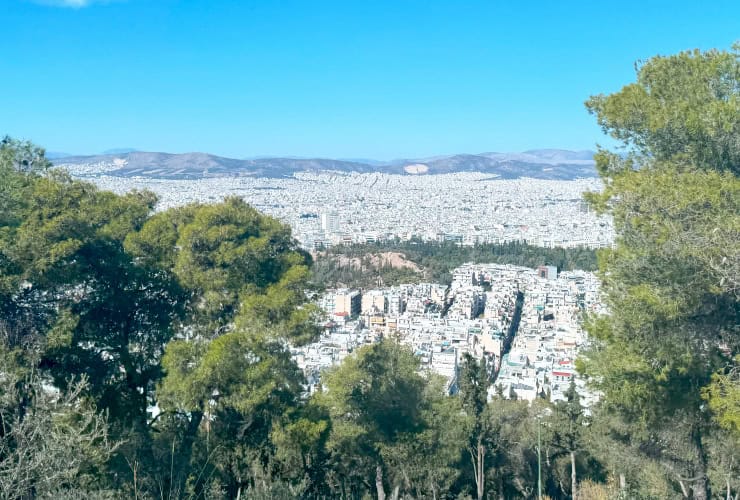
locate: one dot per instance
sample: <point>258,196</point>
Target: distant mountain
<point>540,164</point>
<point>201,165</point>
<point>548,156</point>
<point>367,161</point>
<point>561,155</point>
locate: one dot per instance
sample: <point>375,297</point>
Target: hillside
<point>540,164</point>
<point>392,263</point>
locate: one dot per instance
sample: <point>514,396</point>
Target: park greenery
<point>435,261</point>
<point>146,354</point>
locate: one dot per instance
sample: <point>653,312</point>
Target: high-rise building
<point>330,222</point>
<point>395,304</point>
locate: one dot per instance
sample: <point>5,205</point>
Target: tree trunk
<point>480,483</point>
<point>196,417</point>
<point>622,482</point>
<point>700,489</point>
<point>573,475</point>
<point>477,457</point>
<point>396,492</point>
<point>684,489</point>
<point>379,482</point>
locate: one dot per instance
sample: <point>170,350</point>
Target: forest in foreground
<point>145,354</point>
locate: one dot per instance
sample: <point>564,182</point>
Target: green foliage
<point>429,465</point>
<point>510,438</point>
<point>230,385</point>
<point>437,260</point>
<point>723,395</point>
<point>283,303</point>
<point>20,164</point>
<point>78,298</point>
<point>681,106</point>
<point>376,400</point>
<point>229,257</point>
<point>237,371</point>
<point>378,390</point>
<point>93,285</point>
<point>671,282</point>
<point>474,384</point>
<point>569,424</point>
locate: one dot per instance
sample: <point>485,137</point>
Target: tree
<point>21,165</point>
<point>228,370</point>
<point>73,301</point>
<point>568,421</point>
<point>671,280</point>
<point>104,316</point>
<point>511,438</point>
<point>375,399</point>
<point>499,435</point>
<point>723,395</point>
<point>426,464</point>
<point>92,285</point>
<point>231,259</point>
<point>681,106</point>
<point>240,388</point>
<point>612,441</point>
<point>300,448</point>
<point>474,384</point>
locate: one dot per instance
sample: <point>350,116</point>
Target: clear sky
<point>348,79</point>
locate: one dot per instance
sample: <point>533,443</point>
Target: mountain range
<point>539,163</point>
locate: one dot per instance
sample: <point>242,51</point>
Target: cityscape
<point>527,323</point>
<point>329,208</point>
<point>377,250</point>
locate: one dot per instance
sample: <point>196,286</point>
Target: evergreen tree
<point>671,281</point>
<point>474,384</point>
<point>376,402</point>
<point>568,428</point>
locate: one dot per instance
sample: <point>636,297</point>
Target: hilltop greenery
<point>436,261</point>
<point>145,355</point>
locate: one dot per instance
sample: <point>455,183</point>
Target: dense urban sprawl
<point>525,322</point>
<point>328,208</point>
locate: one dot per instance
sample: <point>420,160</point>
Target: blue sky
<point>348,79</point>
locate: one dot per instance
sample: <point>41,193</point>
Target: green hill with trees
<point>145,354</point>
<point>436,260</point>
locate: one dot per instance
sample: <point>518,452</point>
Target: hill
<point>540,164</point>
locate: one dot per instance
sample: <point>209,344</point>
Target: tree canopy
<point>671,281</point>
